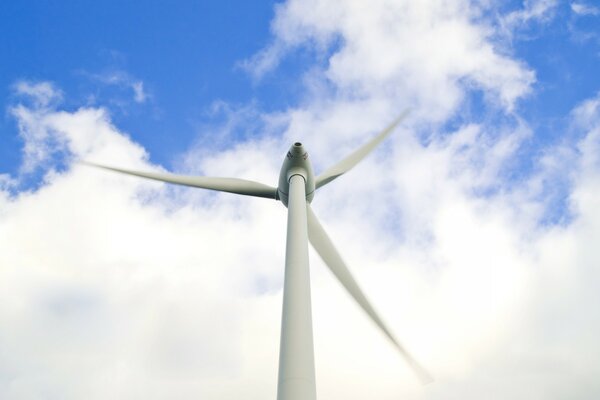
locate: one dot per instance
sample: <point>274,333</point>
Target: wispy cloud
<point>584,9</point>
<point>123,79</point>
<point>43,94</point>
<point>39,144</point>
<point>533,10</point>
<point>138,90</point>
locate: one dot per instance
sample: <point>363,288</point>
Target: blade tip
<point>424,376</point>
<point>426,379</point>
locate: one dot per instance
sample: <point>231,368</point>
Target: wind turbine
<point>296,189</point>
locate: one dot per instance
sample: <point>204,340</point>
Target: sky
<point>473,229</point>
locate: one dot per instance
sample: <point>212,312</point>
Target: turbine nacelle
<point>296,163</point>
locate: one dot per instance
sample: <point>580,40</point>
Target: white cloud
<point>584,9</point>
<point>46,131</point>
<point>43,94</point>
<point>125,80</point>
<point>37,146</point>
<point>185,300</point>
<point>541,10</point>
<point>264,61</point>
<point>138,91</point>
<point>72,264</point>
<point>424,52</point>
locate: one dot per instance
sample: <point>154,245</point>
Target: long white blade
<point>349,162</point>
<point>230,185</point>
<point>323,245</point>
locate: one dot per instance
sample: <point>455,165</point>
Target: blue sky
<point>473,229</point>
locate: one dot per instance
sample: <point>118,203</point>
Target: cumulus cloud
<point>426,52</point>
<point>73,257</point>
<point>46,131</point>
<point>118,287</point>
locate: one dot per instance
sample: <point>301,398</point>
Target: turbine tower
<point>296,189</point>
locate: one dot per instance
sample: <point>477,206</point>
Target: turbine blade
<point>230,185</point>
<point>350,161</point>
<point>323,245</point>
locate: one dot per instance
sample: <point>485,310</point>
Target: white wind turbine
<point>296,190</point>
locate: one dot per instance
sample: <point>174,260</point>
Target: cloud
<point>47,132</point>
<point>264,61</point>
<point>73,257</point>
<point>426,52</point>
<point>584,9</point>
<point>532,10</point>
<point>123,79</point>
<point>43,94</point>
<point>138,89</point>
<point>587,113</point>
<point>38,145</point>
<point>113,264</point>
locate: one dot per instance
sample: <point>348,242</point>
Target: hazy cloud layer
<point>113,287</point>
